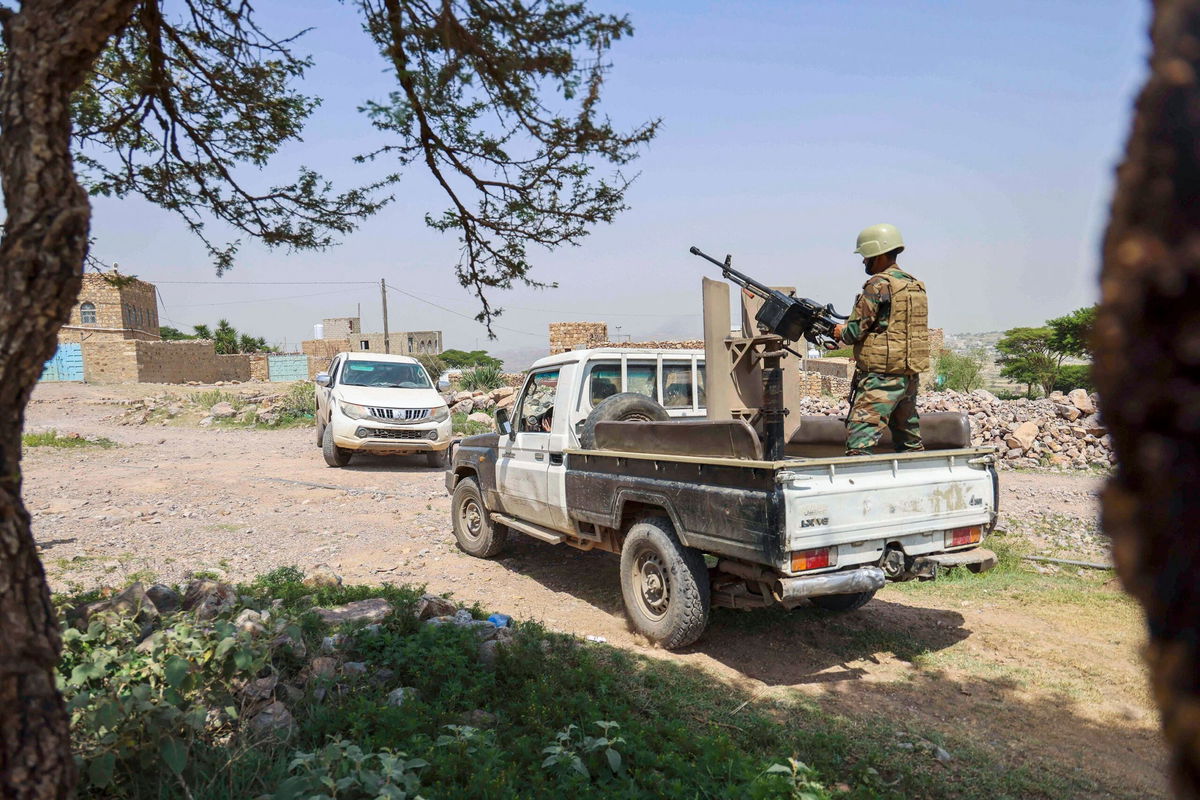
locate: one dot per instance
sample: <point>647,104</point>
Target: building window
<point>364,345</point>
<point>87,314</point>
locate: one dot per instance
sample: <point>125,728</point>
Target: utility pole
<point>387,342</point>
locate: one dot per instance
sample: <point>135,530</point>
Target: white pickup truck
<point>695,512</point>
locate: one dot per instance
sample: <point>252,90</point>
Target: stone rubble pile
<point>466,402</point>
<point>261,407</point>
<point>1062,430</point>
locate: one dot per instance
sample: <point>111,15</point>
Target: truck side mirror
<point>322,379</point>
<point>502,422</point>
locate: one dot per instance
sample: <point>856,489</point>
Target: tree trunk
<point>51,46</point>
<point>1147,340</point>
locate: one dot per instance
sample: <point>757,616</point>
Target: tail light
<point>814,559</point>
<point>960,536</point>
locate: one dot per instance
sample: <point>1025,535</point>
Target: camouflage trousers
<point>884,401</point>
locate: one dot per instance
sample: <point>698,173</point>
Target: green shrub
<point>1075,376</point>
<point>299,403</point>
<point>483,378</point>
<point>210,397</point>
<point>51,438</point>
<point>149,717</point>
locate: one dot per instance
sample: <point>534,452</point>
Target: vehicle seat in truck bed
<point>820,436</point>
<point>723,438</point>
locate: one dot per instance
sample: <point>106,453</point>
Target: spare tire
<point>624,407</point>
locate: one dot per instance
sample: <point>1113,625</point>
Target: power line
<point>460,314</point>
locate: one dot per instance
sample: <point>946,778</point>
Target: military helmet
<point>879,239</point>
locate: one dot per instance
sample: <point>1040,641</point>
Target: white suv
<point>383,404</point>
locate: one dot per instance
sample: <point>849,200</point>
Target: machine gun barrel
<point>740,278</point>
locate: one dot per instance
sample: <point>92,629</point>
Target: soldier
<point>890,334</point>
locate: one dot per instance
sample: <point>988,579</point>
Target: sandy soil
<point>1032,684</point>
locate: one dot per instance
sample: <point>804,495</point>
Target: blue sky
<point>988,132</point>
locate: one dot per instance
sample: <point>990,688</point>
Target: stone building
<point>566,336</point>
<point>112,307</point>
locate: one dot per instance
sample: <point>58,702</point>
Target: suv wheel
<point>664,584</point>
<point>334,456</point>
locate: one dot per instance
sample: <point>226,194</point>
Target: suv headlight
<point>352,411</point>
<point>439,414</point>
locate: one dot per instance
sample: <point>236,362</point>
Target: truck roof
<point>579,356</point>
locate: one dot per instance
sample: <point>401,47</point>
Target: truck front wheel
<point>477,535</point>
<point>664,584</point>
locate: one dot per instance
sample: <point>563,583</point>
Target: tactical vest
<point>903,347</point>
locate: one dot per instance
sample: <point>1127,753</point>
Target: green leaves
<point>176,671</point>
<point>174,754</point>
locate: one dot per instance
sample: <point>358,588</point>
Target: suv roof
<point>369,356</point>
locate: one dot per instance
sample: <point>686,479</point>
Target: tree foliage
<point>461,359</point>
<point>500,101</point>
<point>169,334</point>
<point>227,340</point>
<point>1026,356</point>
<point>1071,334</point>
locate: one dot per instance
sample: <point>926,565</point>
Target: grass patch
<point>1014,580</point>
<point>553,717</point>
<point>52,438</point>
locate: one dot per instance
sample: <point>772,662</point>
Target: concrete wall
<point>341,327</point>
<point>403,343</point>
<point>833,367</point>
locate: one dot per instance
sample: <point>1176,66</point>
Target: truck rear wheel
<point>477,535</point>
<point>664,584</point>
<point>624,407</point>
<point>842,602</point>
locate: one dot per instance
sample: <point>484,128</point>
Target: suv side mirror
<point>502,421</point>
<point>322,379</point>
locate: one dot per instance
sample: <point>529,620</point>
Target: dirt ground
<point>1030,682</point>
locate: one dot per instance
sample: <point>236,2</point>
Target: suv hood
<point>384,397</point>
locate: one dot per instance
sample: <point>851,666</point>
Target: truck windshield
<point>385,373</point>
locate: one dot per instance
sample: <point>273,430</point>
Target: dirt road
<point>1030,680</point>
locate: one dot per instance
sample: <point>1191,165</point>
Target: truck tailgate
<point>844,501</point>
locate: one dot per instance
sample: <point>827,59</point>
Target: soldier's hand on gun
<point>837,331</point>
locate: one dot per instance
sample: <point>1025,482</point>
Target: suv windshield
<point>385,373</point>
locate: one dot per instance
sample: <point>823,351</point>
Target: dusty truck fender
<point>717,506</point>
<point>475,457</point>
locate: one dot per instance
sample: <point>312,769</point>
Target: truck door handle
<point>556,459</point>
<point>507,454</point>
<point>539,456</point>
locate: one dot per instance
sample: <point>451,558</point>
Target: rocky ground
<point>174,498</point>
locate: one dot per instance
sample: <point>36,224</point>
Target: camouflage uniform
<point>882,400</point>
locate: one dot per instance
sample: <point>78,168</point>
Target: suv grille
<point>385,433</point>
<point>402,414</point>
